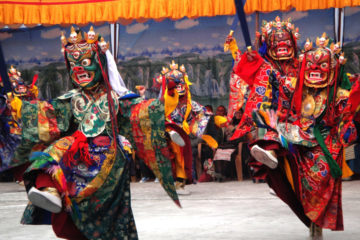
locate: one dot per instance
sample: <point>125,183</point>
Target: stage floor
<point>229,210</point>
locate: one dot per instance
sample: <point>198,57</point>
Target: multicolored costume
<point>85,161</point>
<point>304,119</point>
<point>265,82</point>
<point>264,78</point>
<point>11,125</point>
<point>307,135</point>
<point>181,113</point>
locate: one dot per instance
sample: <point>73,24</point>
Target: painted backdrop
<point>146,47</point>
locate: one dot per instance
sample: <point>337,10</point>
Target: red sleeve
<point>247,69</point>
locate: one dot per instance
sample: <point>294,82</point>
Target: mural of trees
<point>352,53</point>
<point>209,76</point>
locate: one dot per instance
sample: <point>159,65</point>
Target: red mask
<point>280,45</point>
<point>318,68</point>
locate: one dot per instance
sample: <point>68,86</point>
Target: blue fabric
<point>263,49</point>
<point>8,144</point>
<point>347,135</point>
<point>130,96</point>
<point>242,18</point>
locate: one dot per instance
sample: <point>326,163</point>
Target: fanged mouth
<point>315,76</point>
<point>83,77</point>
<point>282,50</point>
<point>316,79</point>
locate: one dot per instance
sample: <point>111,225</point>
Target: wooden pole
<point>257,26</point>
<point>315,232</point>
<point>114,29</point>
<point>238,163</point>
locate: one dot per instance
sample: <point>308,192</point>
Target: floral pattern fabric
<point>292,135</point>
<point>97,194</point>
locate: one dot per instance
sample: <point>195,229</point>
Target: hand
<point>229,39</point>
<point>251,56</point>
<point>141,89</point>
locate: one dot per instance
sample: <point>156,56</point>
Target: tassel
<point>35,78</point>
<point>56,172</point>
<point>67,202</point>
<point>297,97</point>
<point>80,144</point>
<point>273,118</point>
<point>283,141</point>
<point>58,175</point>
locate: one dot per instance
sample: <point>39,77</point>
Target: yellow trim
<point>15,104</point>
<point>61,146</point>
<point>210,141</point>
<point>346,171</point>
<point>170,102</point>
<point>179,161</point>
<point>288,173</point>
<point>220,120</point>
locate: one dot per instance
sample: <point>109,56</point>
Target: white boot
<point>176,138</point>
<point>48,199</point>
<point>264,156</point>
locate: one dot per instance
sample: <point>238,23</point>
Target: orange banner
<point>50,12</point>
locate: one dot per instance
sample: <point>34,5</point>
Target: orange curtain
<point>49,12</point>
<point>84,11</point>
<point>300,5</point>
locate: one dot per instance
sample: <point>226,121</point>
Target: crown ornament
<point>308,45</point>
<point>342,59</point>
<point>334,49</point>
<point>323,41</point>
<point>91,36</point>
<point>175,72</point>
<point>76,42</point>
<point>13,73</point>
<point>278,26</point>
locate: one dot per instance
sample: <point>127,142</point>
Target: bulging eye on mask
<point>319,68</point>
<point>279,38</point>
<point>85,56</point>
<point>84,68</point>
<point>281,46</point>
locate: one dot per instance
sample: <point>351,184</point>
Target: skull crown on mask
<point>85,57</point>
